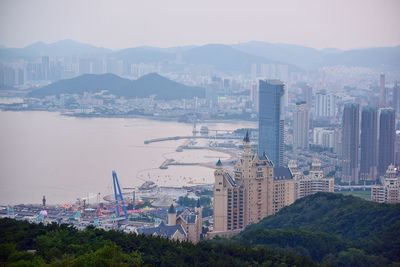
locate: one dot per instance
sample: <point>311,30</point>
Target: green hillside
<point>323,229</point>
<point>145,86</point>
<point>65,246</point>
<point>332,228</point>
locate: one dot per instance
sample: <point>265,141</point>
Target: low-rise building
<point>389,189</point>
<point>312,183</point>
<point>185,225</point>
<point>172,232</point>
<point>192,222</point>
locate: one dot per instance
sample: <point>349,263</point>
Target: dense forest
<point>24,244</point>
<point>333,229</point>
<point>324,229</point>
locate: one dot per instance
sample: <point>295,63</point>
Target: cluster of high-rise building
<point>260,184</point>
<point>367,152</point>
<point>47,68</point>
<point>278,71</point>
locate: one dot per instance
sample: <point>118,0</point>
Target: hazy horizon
<point>194,45</point>
<point>121,24</point>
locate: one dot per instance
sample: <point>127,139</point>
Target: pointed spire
<point>265,157</point>
<point>219,163</point>
<point>171,209</point>
<point>246,138</point>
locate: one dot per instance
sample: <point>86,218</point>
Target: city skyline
<point>275,124</point>
<point>320,25</point>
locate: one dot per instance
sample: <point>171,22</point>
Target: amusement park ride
<point>119,199</point>
<point>113,212</point>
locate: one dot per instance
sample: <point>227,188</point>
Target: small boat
<point>148,186</point>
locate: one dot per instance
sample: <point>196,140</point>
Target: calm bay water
<point>44,153</point>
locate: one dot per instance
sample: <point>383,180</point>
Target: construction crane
<point>118,197</point>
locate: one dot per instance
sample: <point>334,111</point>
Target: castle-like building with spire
<point>256,189</point>
<point>185,225</point>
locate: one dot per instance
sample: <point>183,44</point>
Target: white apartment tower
<point>301,126</point>
<point>325,105</point>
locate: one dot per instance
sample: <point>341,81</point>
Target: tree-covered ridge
<point>347,216</point>
<point>333,229</point>
<point>65,246</point>
<point>148,85</point>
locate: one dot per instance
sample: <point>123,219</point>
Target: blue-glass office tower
<point>271,120</point>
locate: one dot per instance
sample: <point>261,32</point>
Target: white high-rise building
<point>301,126</point>
<point>325,105</point>
<point>324,137</point>
<point>254,95</point>
<point>382,91</point>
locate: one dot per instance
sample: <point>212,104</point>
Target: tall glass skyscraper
<point>396,99</point>
<point>350,142</point>
<point>271,120</point>
<point>369,143</point>
<point>387,138</point>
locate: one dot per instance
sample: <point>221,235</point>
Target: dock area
<point>172,138</point>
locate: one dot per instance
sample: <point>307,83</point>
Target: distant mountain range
<point>145,86</point>
<point>304,57</point>
<point>380,57</point>
<point>309,58</point>
<point>224,57</point>
<point>64,48</point>
<point>220,57</point>
<point>143,55</point>
<point>236,57</point>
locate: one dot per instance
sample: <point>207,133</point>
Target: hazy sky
<point>118,24</point>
